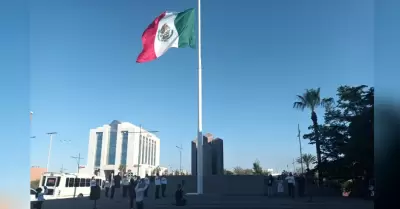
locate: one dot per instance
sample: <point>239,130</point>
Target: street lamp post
<point>301,151</point>
<point>140,136</point>
<point>180,159</point>
<point>78,161</point>
<point>48,156</point>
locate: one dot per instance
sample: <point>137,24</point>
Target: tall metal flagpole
<point>200,110</point>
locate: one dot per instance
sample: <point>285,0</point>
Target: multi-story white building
<point>122,143</point>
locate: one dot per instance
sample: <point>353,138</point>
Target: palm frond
<point>301,103</point>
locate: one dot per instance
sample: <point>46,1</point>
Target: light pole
<point>180,158</point>
<point>78,161</point>
<point>140,136</point>
<point>301,151</point>
<point>48,156</point>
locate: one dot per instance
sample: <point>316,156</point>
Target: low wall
<point>231,185</point>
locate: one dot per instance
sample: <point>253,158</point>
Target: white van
<point>67,185</point>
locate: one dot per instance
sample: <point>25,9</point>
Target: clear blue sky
<point>257,55</point>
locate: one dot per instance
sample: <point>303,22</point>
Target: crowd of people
<point>136,189</point>
<point>301,182</point>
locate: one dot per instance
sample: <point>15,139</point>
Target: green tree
<point>122,168</point>
<point>346,137</point>
<point>242,171</point>
<point>307,160</point>
<point>257,169</point>
<point>265,172</point>
<point>311,100</point>
<point>228,172</point>
<point>35,184</point>
<point>156,171</point>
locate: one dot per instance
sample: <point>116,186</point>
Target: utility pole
<point>180,159</point>
<point>78,162</point>
<point>301,151</point>
<point>49,154</point>
<point>294,168</point>
<point>62,169</point>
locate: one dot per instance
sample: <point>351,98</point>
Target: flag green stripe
<point>184,24</point>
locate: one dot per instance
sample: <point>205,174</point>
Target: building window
<point>99,143</point>
<point>146,144</point>
<point>155,152</point>
<point>140,150</point>
<point>124,149</point>
<point>112,148</point>
<point>151,152</point>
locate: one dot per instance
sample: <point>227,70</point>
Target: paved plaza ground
<point>228,202</point>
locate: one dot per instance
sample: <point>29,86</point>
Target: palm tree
<point>311,99</point>
<point>308,159</point>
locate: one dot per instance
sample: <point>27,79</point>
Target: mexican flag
<point>169,30</point>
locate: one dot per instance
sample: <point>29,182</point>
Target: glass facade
<point>99,145</point>
<point>112,147</point>
<point>155,146</point>
<point>154,153</point>
<point>124,148</point>
<point>149,151</point>
<point>140,150</point>
<point>146,144</point>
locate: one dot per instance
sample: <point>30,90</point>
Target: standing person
<point>270,183</point>
<point>107,186</point>
<point>116,185</point>
<point>131,192</point>
<point>291,184</point>
<point>40,197</point>
<point>125,186</point>
<point>301,187</point>
<point>310,184</point>
<point>147,181</point>
<point>280,185</point>
<point>93,182</point>
<point>179,196</point>
<point>163,185</point>
<point>157,182</point>
<point>140,189</point>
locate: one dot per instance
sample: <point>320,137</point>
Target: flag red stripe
<point>148,38</point>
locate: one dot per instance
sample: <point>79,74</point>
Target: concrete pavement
<point>222,202</point>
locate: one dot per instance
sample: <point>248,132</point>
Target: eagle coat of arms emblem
<point>164,33</point>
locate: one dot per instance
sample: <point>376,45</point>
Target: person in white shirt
<point>93,182</point>
<point>280,185</point>
<point>163,185</point>
<point>140,189</point>
<point>291,184</point>
<point>157,182</point>
<point>125,186</point>
<point>107,186</point>
<point>147,182</point>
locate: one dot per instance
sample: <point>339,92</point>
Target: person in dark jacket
<point>302,184</point>
<point>310,184</point>
<point>179,196</point>
<point>131,192</point>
